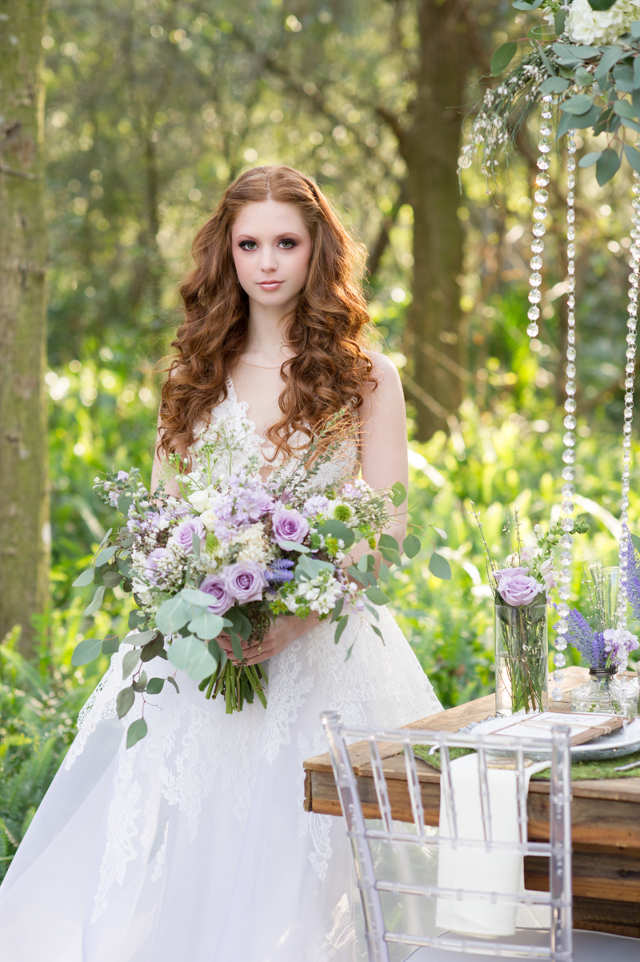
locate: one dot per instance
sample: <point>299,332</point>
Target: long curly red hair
<point>327,329</point>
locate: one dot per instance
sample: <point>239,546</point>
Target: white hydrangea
<point>584,25</point>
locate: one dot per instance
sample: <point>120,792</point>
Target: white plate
<point>625,741</point>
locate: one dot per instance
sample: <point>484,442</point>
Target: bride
<point>197,847</point>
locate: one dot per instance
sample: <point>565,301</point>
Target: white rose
<point>199,499</point>
<point>208,518</point>
<point>585,25</point>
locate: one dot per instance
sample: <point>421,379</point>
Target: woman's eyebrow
<point>287,233</point>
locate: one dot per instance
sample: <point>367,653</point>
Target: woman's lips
<point>270,285</point>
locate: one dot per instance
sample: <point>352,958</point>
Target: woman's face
<point>271,248</point>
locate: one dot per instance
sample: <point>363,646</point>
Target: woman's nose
<point>268,259</point>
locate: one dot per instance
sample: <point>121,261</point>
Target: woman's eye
<point>242,243</point>
<point>289,241</point>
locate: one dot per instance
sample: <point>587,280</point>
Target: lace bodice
<point>342,467</point>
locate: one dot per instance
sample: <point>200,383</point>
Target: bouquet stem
<point>237,684</point>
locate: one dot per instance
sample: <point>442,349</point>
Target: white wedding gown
<point>193,846</point>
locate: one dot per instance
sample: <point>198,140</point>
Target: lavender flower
<point>289,525</point>
<point>216,586</point>
<point>245,581</point>
<point>279,571</point>
<point>630,561</point>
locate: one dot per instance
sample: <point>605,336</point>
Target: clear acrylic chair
<point>382,891</point>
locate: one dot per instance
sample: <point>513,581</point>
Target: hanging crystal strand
<point>569,436</point>
<point>632,321</point>
<point>539,228</point>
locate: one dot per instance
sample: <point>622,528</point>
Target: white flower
<point>199,499</point>
<point>585,25</point>
<point>208,518</point>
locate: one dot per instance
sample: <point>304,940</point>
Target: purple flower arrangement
<point>604,645</point>
<point>234,552</point>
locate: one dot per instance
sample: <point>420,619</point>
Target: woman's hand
<point>284,630</point>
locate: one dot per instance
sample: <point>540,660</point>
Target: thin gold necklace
<point>266,367</point>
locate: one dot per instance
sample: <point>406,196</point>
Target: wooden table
<point>605,819</point>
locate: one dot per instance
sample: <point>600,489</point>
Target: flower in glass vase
<point>603,643</point>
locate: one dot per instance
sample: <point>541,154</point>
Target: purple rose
<point>152,562</point>
<point>215,586</point>
<point>245,581</point>
<point>517,588</point>
<point>185,531</point>
<point>289,525</point>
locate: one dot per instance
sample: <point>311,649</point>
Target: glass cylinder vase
<point>521,657</point>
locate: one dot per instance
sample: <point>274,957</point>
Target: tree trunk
<point>24,524</point>
<point>431,147</point>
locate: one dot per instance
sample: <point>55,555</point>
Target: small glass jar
<point>597,694</point>
<point>521,657</point>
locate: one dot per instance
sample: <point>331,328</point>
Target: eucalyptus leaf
<point>439,566</point>
<point>387,541</point>
<point>624,109</point>
<point>633,156</point>
<point>96,601</point>
<point>136,618</point>
<point>342,624</point>
<point>172,615</point>
<point>125,701</point>
<point>636,73</point>
<point>526,4</point>
<point>554,85</point>
<point>140,683</point>
<point>601,4</point>
<point>635,29</point>
<point>398,494</point>
<point>155,686</point>
<point>206,625</point>
<point>86,651</point>
<point>139,638</point>
<point>105,555</point>
<point>502,57</point>
<point>607,165</point>
<point>411,545</point>
<point>192,656</point>
<point>293,546</point>
<point>196,597</point>
<point>84,578</point>
<point>377,595</point>
<point>110,645</point>
<point>624,78</point>
<point>239,623</point>
<point>136,731</point>
<point>129,662</point>
<point>153,648</point>
<point>578,104</point>
<point>173,682</point>
<point>609,58</point>
<point>588,159</point>
<point>582,77</point>
<point>111,577</point>
<point>337,529</point>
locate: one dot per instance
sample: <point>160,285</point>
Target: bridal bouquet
<point>231,554</point>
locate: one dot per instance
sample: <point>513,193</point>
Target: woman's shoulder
<point>388,384</point>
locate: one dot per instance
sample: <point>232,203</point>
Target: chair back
<point>385,795</point>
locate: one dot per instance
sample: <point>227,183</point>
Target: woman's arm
<point>384,450</point>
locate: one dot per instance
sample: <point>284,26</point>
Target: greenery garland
<point>597,85</point>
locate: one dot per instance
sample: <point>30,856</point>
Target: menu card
<point>585,726</point>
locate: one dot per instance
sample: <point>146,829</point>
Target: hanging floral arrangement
<point>579,65</point>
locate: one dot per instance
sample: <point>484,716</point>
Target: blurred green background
<point>152,107</point>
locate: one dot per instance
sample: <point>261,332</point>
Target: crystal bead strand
<point>569,436</point>
<point>539,229</point>
<point>632,321</point>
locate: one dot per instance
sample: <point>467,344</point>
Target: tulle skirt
<point>193,845</point>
